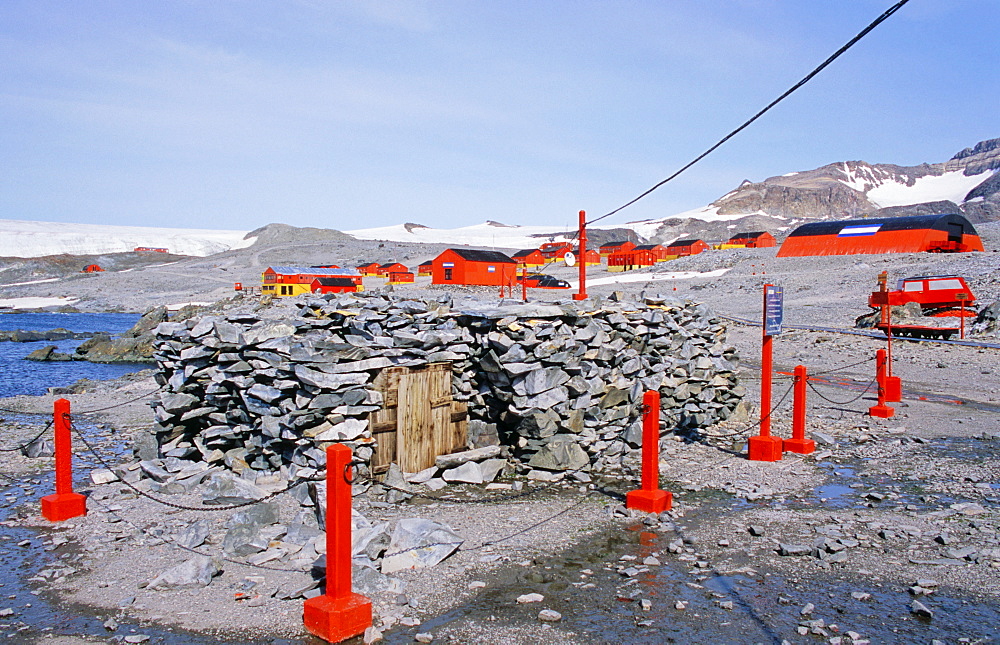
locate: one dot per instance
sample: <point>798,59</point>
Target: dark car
<point>543,281</point>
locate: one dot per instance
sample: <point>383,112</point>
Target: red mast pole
<point>582,259</point>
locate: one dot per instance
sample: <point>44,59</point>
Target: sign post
<point>582,293</point>
<point>765,447</point>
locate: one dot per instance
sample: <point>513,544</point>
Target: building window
<point>447,274</point>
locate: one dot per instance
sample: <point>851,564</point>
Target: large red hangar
<point>949,233</point>
<point>473,267</point>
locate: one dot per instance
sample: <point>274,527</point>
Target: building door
<point>419,420</point>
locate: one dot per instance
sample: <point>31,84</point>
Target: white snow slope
<point>24,239</point>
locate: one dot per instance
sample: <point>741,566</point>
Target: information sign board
<point>773,306</point>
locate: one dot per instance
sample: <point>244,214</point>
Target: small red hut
<point>616,247</point>
<point>91,268</point>
<point>753,240</point>
<point>682,248</point>
<point>529,258</point>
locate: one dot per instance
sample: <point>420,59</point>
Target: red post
<point>339,614</point>
<point>798,443</point>
<point>65,504</point>
<point>650,499</point>
<point>524,284</point>
<point>765,447</point>
<point>881,410</point>
<point>961,320</point>
<point>582,259</point>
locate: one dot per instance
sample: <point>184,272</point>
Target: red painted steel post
<point>798,443</point>
<point>765,447</point>
<point>881,410</point>
<point>650,499</point>
<point>339,614</point>
<point>524,284</point>
<point>582,294</point>
<point>64,504</point>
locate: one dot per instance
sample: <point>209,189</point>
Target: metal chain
<point>826,398</point>
<point>30,441</point>
<point>753,425</point>
<point>118,405</point>
<point>164,502</point>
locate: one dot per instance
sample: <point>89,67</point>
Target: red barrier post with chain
<point>881,410</point>
<point>64,504</point>
<point>649,498</point>
<point>339,614</point>
<point>798,443</point>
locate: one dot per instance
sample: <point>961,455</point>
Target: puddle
<point>722,607</point>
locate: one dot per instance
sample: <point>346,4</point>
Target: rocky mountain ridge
<point>856,189</point>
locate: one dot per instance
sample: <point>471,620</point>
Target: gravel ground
<point>882,492</point>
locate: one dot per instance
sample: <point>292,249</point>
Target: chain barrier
<point>755,424</point>
<point>182,507</point>
<point>828,399</point>
<point>30,441</point>
<point>184,547</point>
<point>118,405</point>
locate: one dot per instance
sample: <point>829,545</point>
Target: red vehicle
<point>937,295</point>
<point>543,281</point>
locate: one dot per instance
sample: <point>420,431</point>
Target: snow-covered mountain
<point>23,239</point>
<point>968,183</point>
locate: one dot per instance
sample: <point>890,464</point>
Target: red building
<point>334,285</point>
<point>551,250</point>
<point>754,240</point>
<point>424,268</point>
<point>392,267</point>
<point>593,258</point>
<point>682,248</point>
<point>658,251</point>
<point>616,247</point>
<point>369,269</point>
<point>628,260</point>
<point>529,258</point>
<point>400,277</point>
<point>292,281</point>
<point>949,233</point>
<point>473,267</point>
<point>157,249</point>
<point>91,268</point>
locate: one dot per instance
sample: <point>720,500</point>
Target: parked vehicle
<point>543,281</point>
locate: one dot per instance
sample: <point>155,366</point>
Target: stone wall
<point>560,385</point>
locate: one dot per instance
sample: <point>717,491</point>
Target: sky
<point>348,114</point>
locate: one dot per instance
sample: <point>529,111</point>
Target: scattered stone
<point>549,616</point>
<point>920,609</point>
<point>530,597</point>
<point>190,574</point>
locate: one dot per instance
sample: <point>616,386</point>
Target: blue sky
<point>349,114</point>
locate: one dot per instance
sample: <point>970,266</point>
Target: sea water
<point>18,376</point>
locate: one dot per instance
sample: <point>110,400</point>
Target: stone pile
<point>559,385</point>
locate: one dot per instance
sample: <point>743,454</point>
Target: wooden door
<point>419,420</point>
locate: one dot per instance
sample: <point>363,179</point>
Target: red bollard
<point>798,443</point>
<point>881,410</point>
<point>65,504</point>
<point>339,614</point>
<point>650,499</point>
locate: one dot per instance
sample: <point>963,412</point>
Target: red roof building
<point>682,248</point>
<point>529,258</point>
<point>949,233</point>
<point>473,267</point>
<point>616,247</point>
